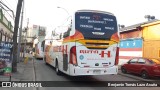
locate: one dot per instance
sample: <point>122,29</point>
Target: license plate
<point>97,71</point>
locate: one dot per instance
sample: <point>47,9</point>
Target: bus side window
<point>66,34</point>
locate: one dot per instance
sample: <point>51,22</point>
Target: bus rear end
<point>39,53</point>
<point>95,50</point>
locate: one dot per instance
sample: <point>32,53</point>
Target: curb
<point>34,72</point>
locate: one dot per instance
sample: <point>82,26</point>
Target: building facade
<point>6,29</point>
<point>140,40</point>
<point>35,32</point>
<point>39,32</point>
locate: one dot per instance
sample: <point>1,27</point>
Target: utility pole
<point>16,25</point>
<point>20,34</point>
<point>25,40</point>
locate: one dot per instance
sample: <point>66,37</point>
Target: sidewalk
<point>25,72</point>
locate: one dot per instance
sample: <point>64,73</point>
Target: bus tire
<point>45,60</point>
<point>58,72</point>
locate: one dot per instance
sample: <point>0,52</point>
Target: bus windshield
<point>94,26</point>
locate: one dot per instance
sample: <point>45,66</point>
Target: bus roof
<point>97,11</point>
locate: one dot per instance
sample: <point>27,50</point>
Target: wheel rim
<point>56,69</point>
<point>144,75</point>
<point>123,70</point>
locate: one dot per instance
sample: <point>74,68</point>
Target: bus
<point>38,50</point>
<point>88,47</point>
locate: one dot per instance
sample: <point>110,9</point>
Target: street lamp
<point>64,10</point>
<point>67,13</point>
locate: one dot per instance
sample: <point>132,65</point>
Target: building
<point>39,32</point>
<point>6,28</point>
<point>140,40</point>
<point>34,32</point>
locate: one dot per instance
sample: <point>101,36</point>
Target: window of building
<point>5,35</point>
<point>8,36</point>
<point>0,35</point>
<point>11,37</point>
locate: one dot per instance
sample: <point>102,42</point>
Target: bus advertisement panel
<point>96,25</point>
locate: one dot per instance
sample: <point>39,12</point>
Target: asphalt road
<point>47,73</point>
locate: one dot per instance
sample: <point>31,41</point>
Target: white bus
<point>38,51</point>
<point>88,47</point>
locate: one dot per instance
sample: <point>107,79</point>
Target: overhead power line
<point>8,9</point>
<point>8,4</point>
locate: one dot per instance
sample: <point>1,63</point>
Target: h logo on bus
<point>103,53</point>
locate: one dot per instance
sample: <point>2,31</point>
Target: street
<point>45,72</point>
<point>100,45</point>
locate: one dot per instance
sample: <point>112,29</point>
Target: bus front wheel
<point>58,72</point>
<point>44,59</point>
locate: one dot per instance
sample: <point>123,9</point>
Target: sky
<point>46,13</point>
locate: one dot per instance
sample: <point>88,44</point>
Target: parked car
<point>143,66</point>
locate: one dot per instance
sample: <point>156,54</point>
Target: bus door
<point>65,57</point>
